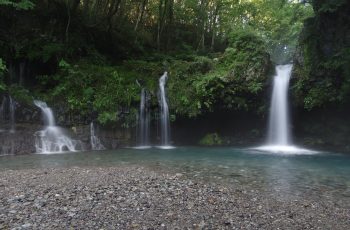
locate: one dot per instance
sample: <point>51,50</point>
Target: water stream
<point>2,113</point>
<point>164,113</point>
<point>52,139</point>
<point>279,138</point>
<point>144,121</point>
<point>94,140</point>
<point>12,108</point>
<point>279,133</point>
<point>7,113</point>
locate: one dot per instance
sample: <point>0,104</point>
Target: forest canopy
<point>88,54</point>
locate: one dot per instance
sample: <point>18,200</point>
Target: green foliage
<point>86,88</point>
<point>211,139</point>
<point>247,64</point>
<point>328,6</point>
<point>278,22</point>
<point>323,74</point>
<point>215,51</point>
<point>20,94</point>
<point>19,5</point>
<point>2,66</point>
<point>234,81</point>
<point>37,50</point>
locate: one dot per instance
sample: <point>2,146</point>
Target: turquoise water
<point>325,174</point>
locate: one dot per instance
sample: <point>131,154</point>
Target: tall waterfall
<point>164,111</point>
<point>279,133</point>
<point>144,121</point>
<point>94,140</point>
<point>279,140</point>
<point>52,138</point>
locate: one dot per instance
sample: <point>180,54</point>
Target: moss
<point>323,75</point>
<point>211,139</point>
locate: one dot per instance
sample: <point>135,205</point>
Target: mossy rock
<point>211,139</point>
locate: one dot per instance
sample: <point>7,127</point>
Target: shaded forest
<point>92,57</point>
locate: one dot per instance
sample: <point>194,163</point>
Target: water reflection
<point>284,176</point>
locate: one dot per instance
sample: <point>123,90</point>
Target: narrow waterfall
<point>2,113</point>
<point>7,113</point>
<point>52,138</point>
<point>279,133</point>
<point>164,111</point>
<point>144,120</point>
<point>94,140</point>
<point>12,108</point>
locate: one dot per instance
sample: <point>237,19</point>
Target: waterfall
<point>279,133</point>
<point>279,140</point>
<point>164,112</point>
<point>2,112</point>
<point>7,112</point>
<point>144,121</point>
<point>12,107</point>
<point>52,138</point>
<point>94,140</point>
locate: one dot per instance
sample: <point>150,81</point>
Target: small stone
<point>71,214</point>
<point>27,225</point>
<point>227,222</point>
<point>26,203</point>
<point>178,174</point>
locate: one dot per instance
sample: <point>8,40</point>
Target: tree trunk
<point>113,10</point>
<point>142,10</point>
<point>68,21</point>
<point>161,21</point>
<point>170,23</point>
<point>214,27</point>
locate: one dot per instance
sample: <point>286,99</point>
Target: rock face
<point>322,63</point>
<point>110,138</point>
<point>321,77</point>
<point>28,121</point>
<point>19,142</point>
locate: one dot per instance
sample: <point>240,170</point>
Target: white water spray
<point>279,133</point>
<point>94,140</point>
<point>52,138</point>
<point>279,140</point>
<point>164,113</point>
<point>2,113</point>
<point>12,108</point>
<point>7,112</point>
<point>144,121</point>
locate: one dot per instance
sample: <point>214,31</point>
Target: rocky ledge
<point>139,198</point>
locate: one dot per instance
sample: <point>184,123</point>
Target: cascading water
<point>7,112</point>
<point>94,140</point>
<point>2,113</point>
<point>164,113</point>
<point>279,133</point>
<point>144,121</point>
<point>12,107</point>
<point>52,139</point>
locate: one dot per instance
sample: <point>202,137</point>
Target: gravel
<point>135,197</point>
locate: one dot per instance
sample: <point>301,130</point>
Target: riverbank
<point>139,198</point>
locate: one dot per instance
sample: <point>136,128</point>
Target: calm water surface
<point>322,174</point>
